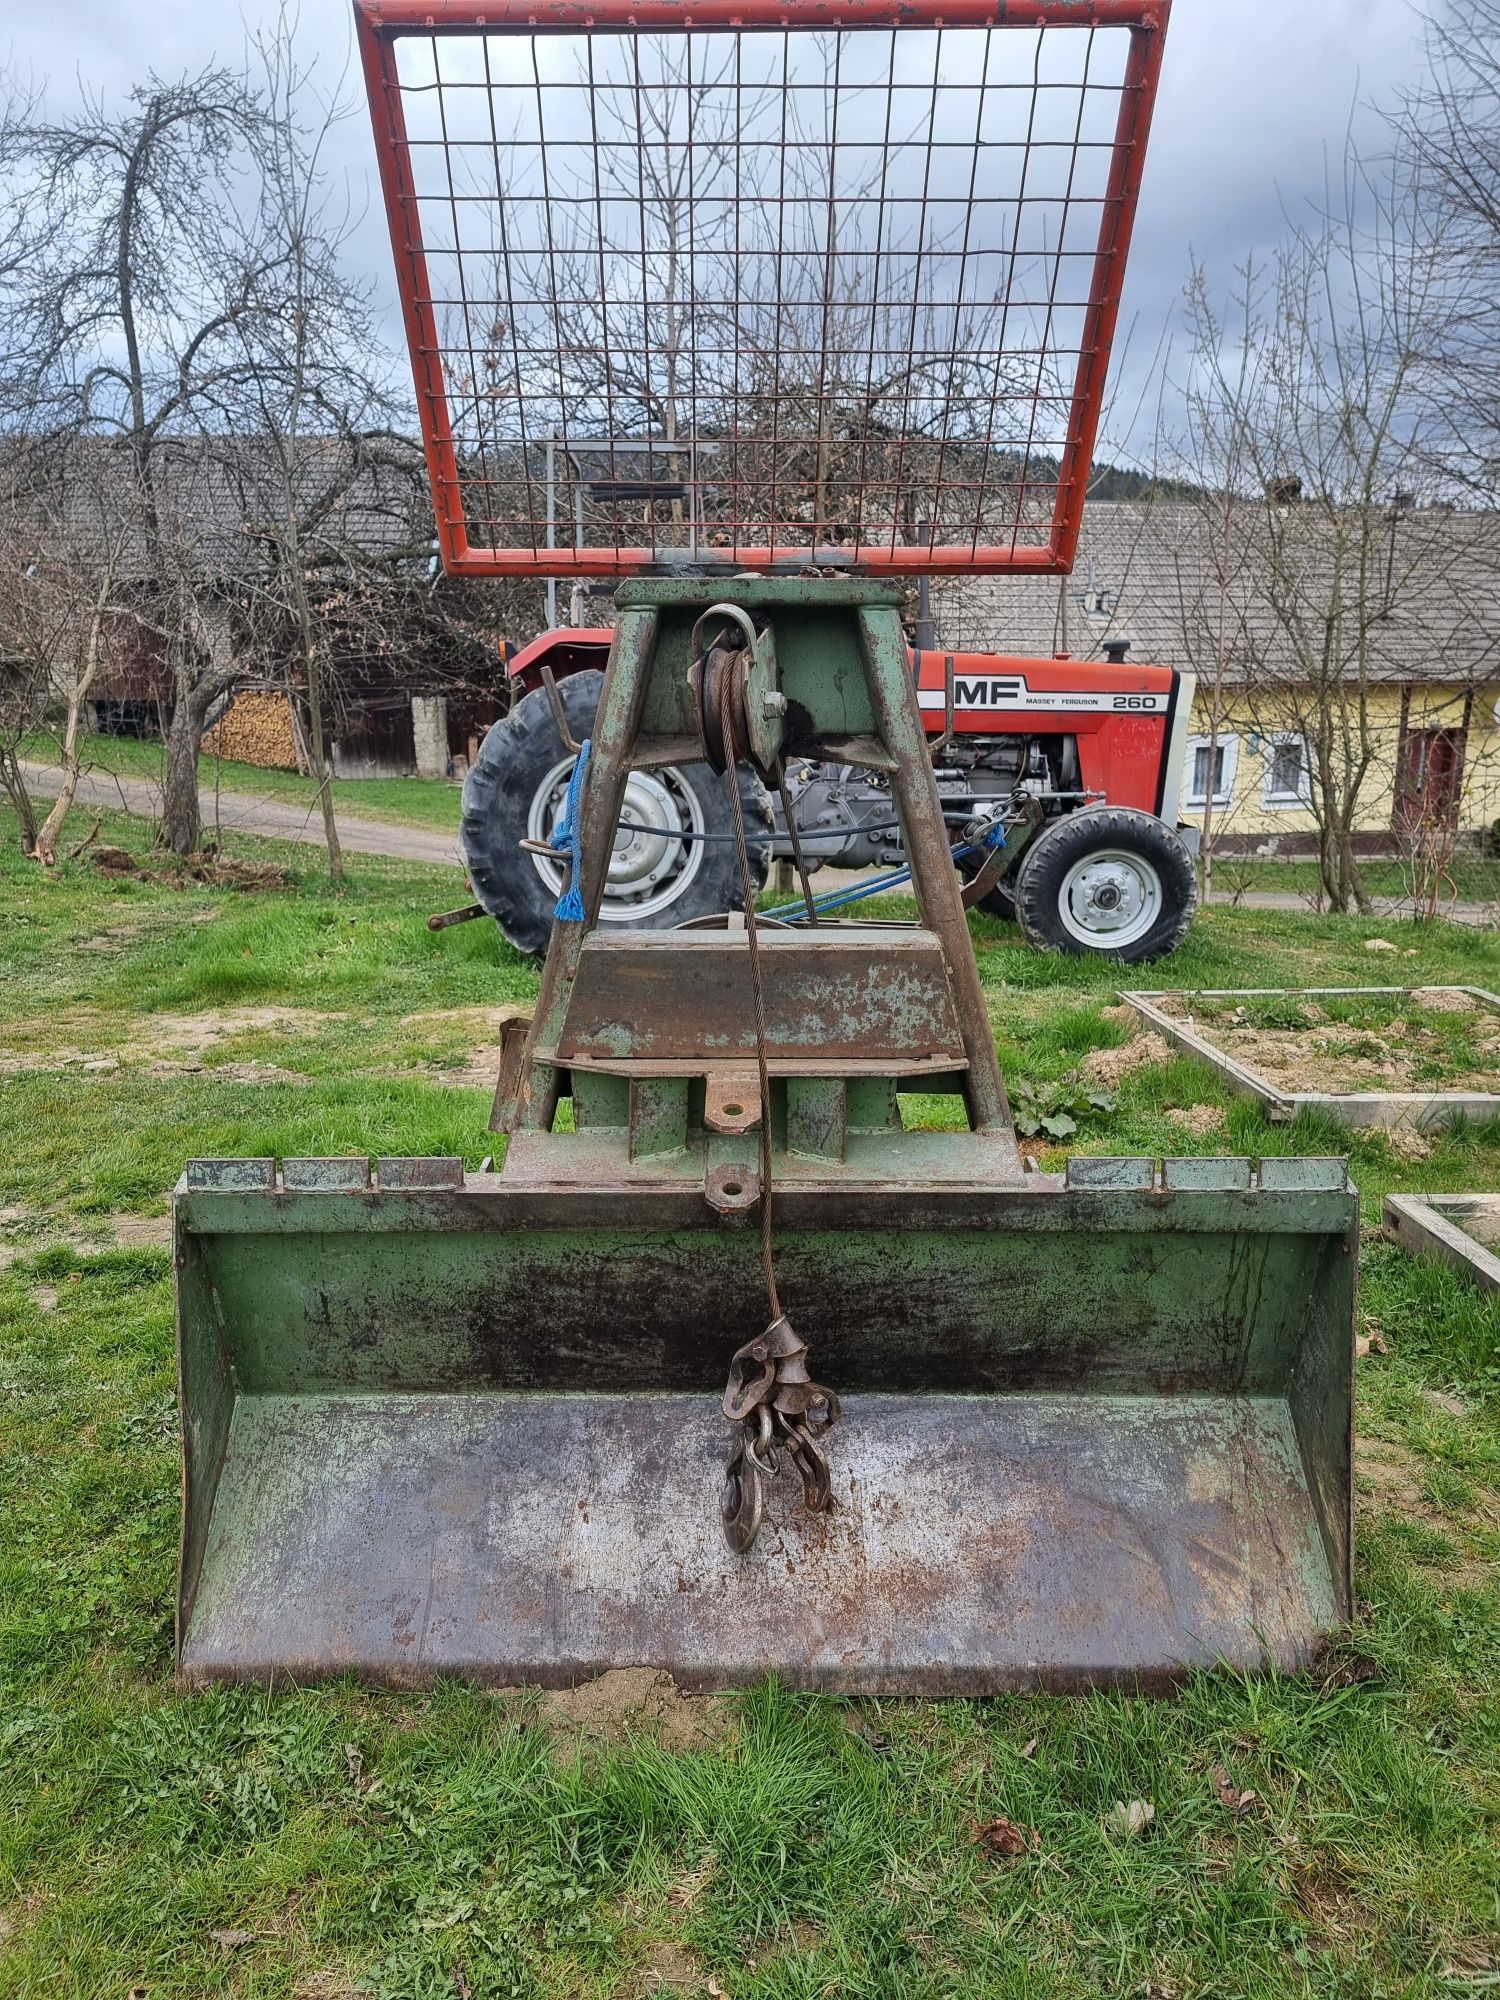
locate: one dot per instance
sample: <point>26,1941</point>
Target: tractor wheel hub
<point>649,864</point>
<point>1111,894</point>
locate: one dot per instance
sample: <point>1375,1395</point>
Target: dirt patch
<point>1392,1474</point>
<point>480,1023</point>
<point>234,1072</point>
<point>1107,1067</point>
<point>1443,1000</point>
<point>687,1889</point>
<point>1122,1016</point>
<point>1407,1143</point>
<point>31,1230</point>
<point>1198,1121</point>
<point>1447,1402</point>
<point>479,1072</point>
<point>207,870</point>
<point>670,1969</point>
<point>635,1701</point>
<point>1389,1479</point>
<point>1353,1042</point>
<point>170,1042</point>
<point>196,1032</point>
<point>480,1064</point>
<point>325,1986</point>
<point>806,1936</point>
<point>18,1918</point>
<point>111,940</point>
<point>140,1232</point>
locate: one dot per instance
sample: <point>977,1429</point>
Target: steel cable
<point>727,702</point>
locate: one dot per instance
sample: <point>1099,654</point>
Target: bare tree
<point>31,638</point>
<point>1451,132</point>
<point>1310,417</point>
<point>308,473</point>
<point>65,606</point>
<point>128,320</point>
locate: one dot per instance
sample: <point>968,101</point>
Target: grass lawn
<point>317,1845</point>
<point>1472,877</point>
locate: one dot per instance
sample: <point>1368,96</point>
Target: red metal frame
<point>382,23</point>
<point>1119,715</point>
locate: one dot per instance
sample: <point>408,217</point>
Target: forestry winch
<point>1052,1430</point>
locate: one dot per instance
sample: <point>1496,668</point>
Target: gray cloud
<point>1256,99</point>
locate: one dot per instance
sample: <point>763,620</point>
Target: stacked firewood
<point>257,730</point>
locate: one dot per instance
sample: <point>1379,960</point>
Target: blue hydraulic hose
<point>796,913</point>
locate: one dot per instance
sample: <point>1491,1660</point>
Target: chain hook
<point>778,1408</point>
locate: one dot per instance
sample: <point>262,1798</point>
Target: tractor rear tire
<point>997,902</point>
<point>1108,881</point>
<point>514,792</point>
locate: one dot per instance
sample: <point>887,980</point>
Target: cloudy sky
<point>1256,99</point>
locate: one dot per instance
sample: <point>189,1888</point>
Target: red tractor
<point>1060,780</point>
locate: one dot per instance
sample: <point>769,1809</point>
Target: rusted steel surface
<point>617,726</point>
<point>515,1026</point>
<point>731,1100</point>
<point>781,1416</point>
<point>374,1356</point>
<point>449,17</point>
<point>929,855</point>
<point>974,1545</point>
<point>660,995</point>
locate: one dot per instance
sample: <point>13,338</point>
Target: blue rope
<point>566,834</point>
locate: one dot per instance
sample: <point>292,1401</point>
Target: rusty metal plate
<point>676,996</point>
<point>731,1100</point>
<point>977,1544</point>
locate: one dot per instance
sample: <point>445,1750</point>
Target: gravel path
<point>275,819</point>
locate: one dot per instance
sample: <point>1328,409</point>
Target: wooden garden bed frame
<point>1364,1108</point>
<point>1461,1229</point>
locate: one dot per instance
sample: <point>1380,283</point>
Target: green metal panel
<point>818,654</point>
<point>658,1116</point>
<point>600,1102</point>
<point>1189,1353</point>
<point>817,1116</point>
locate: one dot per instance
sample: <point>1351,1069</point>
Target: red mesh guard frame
<point>760,285</point>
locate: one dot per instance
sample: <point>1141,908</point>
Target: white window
<point>1285,780</point>
<point>1225,753</point>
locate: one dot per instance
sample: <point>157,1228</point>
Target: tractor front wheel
<point>674,856</point>
<point>1110,881</point>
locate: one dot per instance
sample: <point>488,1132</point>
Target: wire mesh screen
<point>787,295</point>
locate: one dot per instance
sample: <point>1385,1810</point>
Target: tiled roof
<point>217,490</point>
<point>1154,567</point>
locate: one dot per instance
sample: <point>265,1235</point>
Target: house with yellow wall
<point>1386,662</point>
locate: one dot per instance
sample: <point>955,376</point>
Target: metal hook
<point>559,714</point>
<point>737,615</point>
